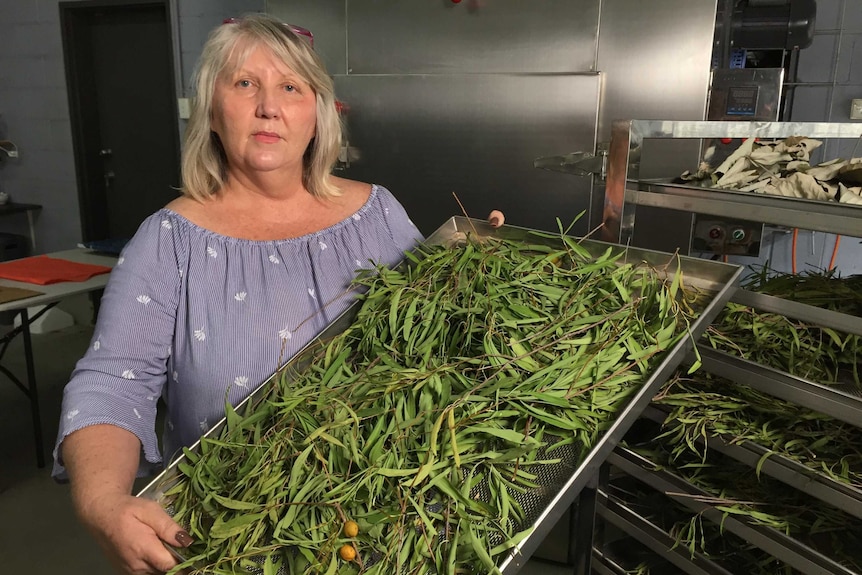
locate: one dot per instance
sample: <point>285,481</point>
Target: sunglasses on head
<point>298,30</point>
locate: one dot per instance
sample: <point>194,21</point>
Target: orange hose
<point>793,250</point>
<point>834,251</point>
<point>724,258</point>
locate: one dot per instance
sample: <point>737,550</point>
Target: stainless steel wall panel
<point>477,135</point>
<point>477,36</point>
<point>656,58</point>
<point>327,21</point>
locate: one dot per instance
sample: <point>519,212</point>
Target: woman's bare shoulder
<point>353,194</point>
<point>184,206</point>
<point>352,187</point>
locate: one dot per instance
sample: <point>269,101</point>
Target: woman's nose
<point>267,104</point>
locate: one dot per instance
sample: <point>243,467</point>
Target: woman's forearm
<point>100,459</point>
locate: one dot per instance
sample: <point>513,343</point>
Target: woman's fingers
<point>160,524</point>
<point>496,218</point>
<point>166,528</point>
<point>133,532</point>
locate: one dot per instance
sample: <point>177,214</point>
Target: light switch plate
<point>184,108</point>
<point>856,109</point>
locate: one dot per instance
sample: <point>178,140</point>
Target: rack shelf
<point>783,547</point>
<point>792,473</point>
<point>624,192</point>
<point>654,537</point>
<point>624,189</point>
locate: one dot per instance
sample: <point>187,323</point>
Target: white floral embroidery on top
<point>240,296</point>
<point>200,335</point>
<point>144,299</point>
<point>311,293</point>
<point>176,376</point>
<point>97,344</point>
<point>180,272</point>
<point>356,217</point>
<point>273,259</point>
<point>386,211</point>
<point>358,263</point>
<point>211,252</point>
<point>285,334</point>
<point>322,245</point>
<point>170,425</point>
<point>150,398</point>
<point>241,381</point>
<point>129,374</point>
<point>71,414</point>
<point>135,409</point>
<point>166,224</point>
<point>205,426</point>
<point>120,260</point>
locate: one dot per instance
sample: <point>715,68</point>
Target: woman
<point>221,286</point>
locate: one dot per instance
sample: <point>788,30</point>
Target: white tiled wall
<point>830,76</point>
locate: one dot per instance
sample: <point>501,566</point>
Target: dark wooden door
<point>122,96</point>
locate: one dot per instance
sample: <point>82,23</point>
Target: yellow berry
<point>351,529</point>
<point>347,552</point>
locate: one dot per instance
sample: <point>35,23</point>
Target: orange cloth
<point>44,270</point>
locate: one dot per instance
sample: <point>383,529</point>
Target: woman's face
<point>264,114</point>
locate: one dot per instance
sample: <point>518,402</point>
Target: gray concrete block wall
<point>34,111</point>
<point>35,116</point>
<point>198,18</point>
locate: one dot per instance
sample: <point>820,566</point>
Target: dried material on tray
<point>782,168</point>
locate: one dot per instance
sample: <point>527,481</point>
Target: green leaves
<point>429,417</point>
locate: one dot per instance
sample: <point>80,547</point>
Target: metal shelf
<point>810,314</point>
<point>653,537</point>
<point>820,216</point>
<point>604,565</point>
<point>625,190</point>
<point>825,399</point>
<point>792,473</point>
<point>782,547</point>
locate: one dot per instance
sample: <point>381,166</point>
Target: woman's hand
<point>101,461</point>
<point>131,530</point>
<point>496,218</point>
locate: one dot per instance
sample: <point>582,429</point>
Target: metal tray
<point>817,215</point>
<point>562,482</point>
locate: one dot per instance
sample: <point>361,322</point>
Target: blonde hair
<point>204,163</point>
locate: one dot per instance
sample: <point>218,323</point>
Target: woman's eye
<point>290,88</point>
<point>243,83</point>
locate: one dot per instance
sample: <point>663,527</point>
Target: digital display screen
<point>742,100</point>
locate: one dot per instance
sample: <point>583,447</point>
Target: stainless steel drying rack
<point>625,191</point>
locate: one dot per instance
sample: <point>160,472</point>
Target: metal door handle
<point>109,177</point>
<point>106,152</point>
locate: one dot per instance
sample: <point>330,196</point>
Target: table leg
<point>32,225</point>
<point>34,393</point>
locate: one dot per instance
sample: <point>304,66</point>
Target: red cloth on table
<point>44,270</point>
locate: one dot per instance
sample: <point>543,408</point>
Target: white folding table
<point>50,296</point>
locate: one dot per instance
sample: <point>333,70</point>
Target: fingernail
<point>183,538</point>
<point>495,221</point>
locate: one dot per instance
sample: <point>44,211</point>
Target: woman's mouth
<point>266,137</point>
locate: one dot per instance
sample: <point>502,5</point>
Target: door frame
<point>77,61</point>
